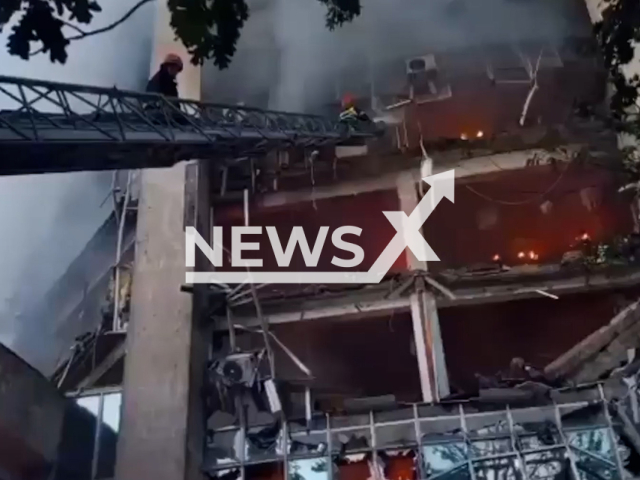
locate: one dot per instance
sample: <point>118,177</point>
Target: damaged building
<point>512,357</point>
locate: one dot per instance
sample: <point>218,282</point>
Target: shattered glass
<point>224,449</point>
<point>445,458</point>
<point>309,469</point>
<point>400,435</point>
<point>520,444</point>
<point>264,443</point>
<point>351,441</point>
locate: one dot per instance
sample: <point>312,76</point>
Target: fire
<point>480,134</point>
<point>530,255</point>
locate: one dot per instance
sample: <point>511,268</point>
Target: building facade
<point>395,380</point>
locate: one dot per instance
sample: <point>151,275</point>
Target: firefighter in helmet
<point>164,81</point>
<point>350,112</point>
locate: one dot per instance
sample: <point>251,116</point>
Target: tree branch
<point>74,27</point>
<point>82,34</point>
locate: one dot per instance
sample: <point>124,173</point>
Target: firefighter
<point>164,81</point>
<point>350,112</point>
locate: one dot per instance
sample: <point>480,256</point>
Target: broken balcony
<point>579,434</point>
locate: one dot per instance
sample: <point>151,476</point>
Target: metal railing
<point>48,126</point>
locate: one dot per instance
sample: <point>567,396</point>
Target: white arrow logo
<point>408,227</point>
<point>407,235</point>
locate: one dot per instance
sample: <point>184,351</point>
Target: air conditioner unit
<point>422,65</point>
<point>424,82</point>
<point>237,369</point>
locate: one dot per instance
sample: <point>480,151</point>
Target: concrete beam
<point>353,306</point>
<point>520,291</point>
<point>602,351</point>
<point>467,170</point>
<point>348,309</point>
<point>104,366</point>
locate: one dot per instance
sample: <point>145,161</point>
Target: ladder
<point>48,127</point>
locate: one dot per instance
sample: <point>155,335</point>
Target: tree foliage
<point>617,34</point>
<point>209,29</point>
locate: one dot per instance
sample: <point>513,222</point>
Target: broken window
<point>426,82</point>
<point>507,64</point>
<point>519,63</point>
<point>577,440</point>
<point>89,436</point>
<point>309,469</point>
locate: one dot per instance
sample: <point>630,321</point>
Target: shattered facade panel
<point>569,438</point>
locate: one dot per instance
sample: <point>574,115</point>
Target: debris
<point>600,353</point>
<point>547,294</point>
<point>272,395</point>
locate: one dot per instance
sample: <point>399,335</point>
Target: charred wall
<point>483,339</point>
<point>480,104</point>
<point>505,214</point>
<point>353,358</point>
<point>362,210</point>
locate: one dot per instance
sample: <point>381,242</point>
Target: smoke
<point>307,62</point>
<point>48,231</point>
<point>46,220</point>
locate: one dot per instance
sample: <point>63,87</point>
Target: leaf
<point>8,8</point>
<point>209,29</point>
<point>340,12</point>
<point>616,33</point>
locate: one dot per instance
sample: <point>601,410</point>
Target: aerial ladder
<point>48,127</point>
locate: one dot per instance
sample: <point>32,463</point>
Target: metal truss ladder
<point>55,127</point>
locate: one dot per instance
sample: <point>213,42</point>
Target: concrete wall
<point>47,220</point>
<point>31,414</point>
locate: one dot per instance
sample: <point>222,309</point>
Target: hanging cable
<point>537,198</point>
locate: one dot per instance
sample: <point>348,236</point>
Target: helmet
<point>173,59</point>
<point>348,100</point>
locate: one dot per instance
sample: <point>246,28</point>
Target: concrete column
<point>406,185</point>
<point>161,434</point>
<point>426,323</point>
<point>434,381</point>
<point>156,380</point>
